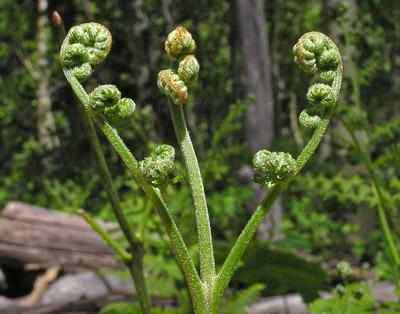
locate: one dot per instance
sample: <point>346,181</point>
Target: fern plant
<point>87,45</point>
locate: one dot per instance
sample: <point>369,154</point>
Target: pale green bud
<point>189,69</point>
<point>321,94</point>
<point>95,37</point>
<point>159,166</point>
<point>104,96</point>
<point>120,112</point>
<point>74,55</point>
<point>309,121</point>
<point>273,167</point>
<point>126,107</point>
<point>179,43</point>
<point>172,86</point>
<point>106,99</point>
<point>85,46</point>
<point>82,72</point>
<point>344,269</point>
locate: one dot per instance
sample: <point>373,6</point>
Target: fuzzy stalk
<point>136,264</point>
<point>178,245</point>
<point>207,263</point>
<point>236,253</point>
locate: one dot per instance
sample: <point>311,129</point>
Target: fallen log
<point>83,306</point>
<point>34,235</point>
<point>82,293</point>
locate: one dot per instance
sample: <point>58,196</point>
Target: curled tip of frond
<point>159,166</point>
<point>318,55</point>
<point>173,86</point>
<point>85,45</point>
<point>314,52</point>
<point>106,99</point>
<point>179,43</point>
<point>273,167</point>
<point>188,69</point>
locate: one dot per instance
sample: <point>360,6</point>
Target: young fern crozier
<point>87,45</point>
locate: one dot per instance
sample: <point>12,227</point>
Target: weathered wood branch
<point>33,235</point>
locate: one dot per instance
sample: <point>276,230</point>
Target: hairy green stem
<point>179,247</point>
<point>238,249</point>
<point>207,263</point>
<point>136,247</point>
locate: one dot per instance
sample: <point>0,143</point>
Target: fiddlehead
<point>106,100</point>
<point>272,167</point>
<point>159,166</point>
<point>316,54</point>
<point>84,47</point>
<point>173,83</point>
<point>179,43</point>
<point>188,69</point>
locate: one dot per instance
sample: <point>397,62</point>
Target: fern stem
<point>136,264</point>
<point>207,263</point>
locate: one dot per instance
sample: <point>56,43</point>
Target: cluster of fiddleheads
<point>87,45</point>
<point>179,46</point>
<point>106,99</point>
<point>272,167</point>
<point>159,166</point>
<point>317,55</point>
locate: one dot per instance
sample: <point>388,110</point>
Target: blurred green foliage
<point>280,272</point>
<point>350,299</point>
